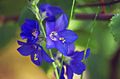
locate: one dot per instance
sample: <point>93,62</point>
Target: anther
<point>35,57</point>
<point>62,39</point>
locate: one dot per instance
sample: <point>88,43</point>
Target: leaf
<point>115,27</point>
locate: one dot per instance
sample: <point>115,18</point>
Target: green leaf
<point>115,27</point>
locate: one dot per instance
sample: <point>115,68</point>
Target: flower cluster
<point>57,37</point>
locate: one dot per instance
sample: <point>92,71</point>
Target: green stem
<point>72,9</point>
<point>81,76</point>
<point>42,28</point>
<point>54,65</point>
<point>44,33</point>
<point>61,65</point>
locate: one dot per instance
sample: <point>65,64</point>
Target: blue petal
<point>77,67</point>
<point>54,11</point>
<point>28,27</point>
<point>71,49</point>
<point>26,35</point>
<point>61,47</point>
<point>87,53</point>
<point>45,56</point>
<point>69,36</point>
<point>50,26</point>
<point>20,42</point>
<point>61,23</point>
<point>43,7</point>
<point>38,62</point>
<point>78,55</point>
<point>69,72</point>
<point>50,44</point>
<point>25,50</point>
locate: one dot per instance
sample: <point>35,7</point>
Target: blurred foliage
<point>7,33</point>
<point>102,42</point>
<point>115,26</point>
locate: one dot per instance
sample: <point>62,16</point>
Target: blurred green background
<point>104,61</point>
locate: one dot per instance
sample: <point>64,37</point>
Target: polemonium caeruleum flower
<point>50,11</point>
<point>58,36</point>
<point>30,30</point>
<point>36,52</point>
<point>73,63</point>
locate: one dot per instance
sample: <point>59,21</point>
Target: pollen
<point>62,39</point>
<point>35,57</point>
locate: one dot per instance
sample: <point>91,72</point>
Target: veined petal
<point>46,57</point>
<point>69,36</point>
<point>36,58</point>
<point>50,26</point>
<point>50,44</point>
<point>78,55</point>
<point>61,23</point>
<point>61,47</point>
<point>69,72</point>
<point>77,67</point>
<point>25,50</point>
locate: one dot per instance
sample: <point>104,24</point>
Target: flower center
<point>35,33</point>
<point>35,57</point>
<point>54,35</point>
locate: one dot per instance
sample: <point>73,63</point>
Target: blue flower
<point>74,63</point>
<point>30,30</point>
<point>58,36</point>
<point>36,52</point>
<point>50,11</point>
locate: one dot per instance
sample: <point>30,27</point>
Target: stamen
<point>34,33</point>
<point>35,57</point>
<point>62,39</point>
<point>54,35</point>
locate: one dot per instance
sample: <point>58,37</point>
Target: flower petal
<point>20,42</point>
<point>43,7</point>
<point>36,58</point>
<point>25,50</point>
<point>87,53</point>
<point>46,57</point>
<point>61,47</point>
<point>28,27</point>
<point>69,36</point>
<point>69,72</point>
<point>50,26</point>
<point>78,55</point>
<point>61,23</point>
<point>77,67</point>
<point>71,49</point>
<point>50,44</point>
<point>53,11</point>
